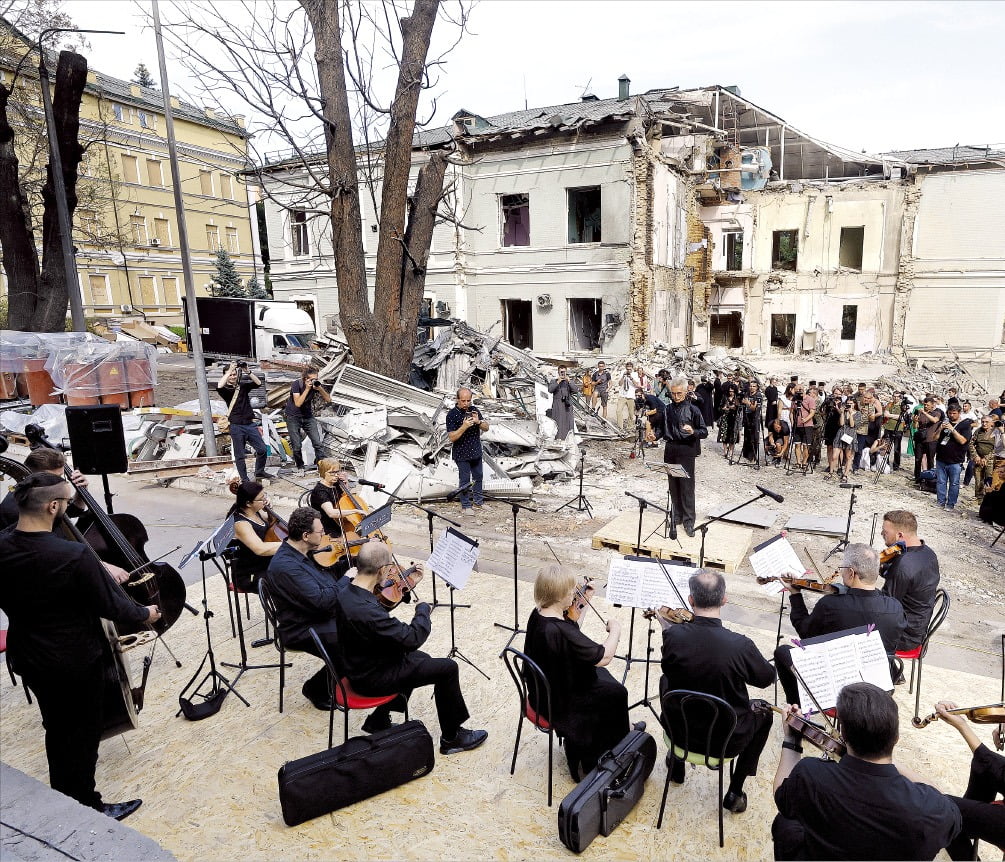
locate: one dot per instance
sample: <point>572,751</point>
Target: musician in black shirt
<point>912,576</point>
<point>703,655</point>
<point>55,593</point>
<point>862,604</point>
<point>863,807</point>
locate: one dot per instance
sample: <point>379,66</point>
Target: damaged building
<point>689,217</point>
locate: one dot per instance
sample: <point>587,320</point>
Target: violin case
<point>607,794</point>
<point>362,767</point>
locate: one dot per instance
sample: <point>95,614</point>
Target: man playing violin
<point>912,576</point>
<point>381,655</point>
<point>702,655</point>
<point>55,593</point>
<point>862,604</point>
<point>862,807</point>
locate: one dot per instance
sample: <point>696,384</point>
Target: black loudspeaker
<point>97,440</point>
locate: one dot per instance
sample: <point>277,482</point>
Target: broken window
<point>298,230</point>
<point>516,219</point>
<point>849,319</point>
<point>726,330</point>
<point>734,250</point>
<point>584,215</point>
<point>517,323</point>
<point>783,332</point>
<point>850,249</point>
<point>784,249</point>
<point>130,169</point>
<point>584,324</point>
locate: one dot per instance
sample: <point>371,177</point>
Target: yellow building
<point>125,227</point>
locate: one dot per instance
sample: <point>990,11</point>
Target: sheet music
<point>453,557</point>
<point>774,558</point>
<point>830,663</point>
<point>637,582</point>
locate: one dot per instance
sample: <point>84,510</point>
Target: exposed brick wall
<point>640,266</point>
<point>905,269</point>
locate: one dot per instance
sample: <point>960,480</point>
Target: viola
<point>671,615</point>
<point>278,529</point>
<point>801,584</point>
<point>395,583</point>
<point>993,713</point>
<point>829,742</point>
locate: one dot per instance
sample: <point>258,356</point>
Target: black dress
<point>248,566</point>
<point>589,706</point>
<point>321,494</point>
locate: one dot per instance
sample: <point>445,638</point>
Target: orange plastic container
<point>39,383</point>
<point>138,376</point>
<point>81,384</point>
<point>112,383</point>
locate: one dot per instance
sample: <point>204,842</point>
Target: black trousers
<point>788,837</point>
<point>786,676</point>
<point>71,703</point>
<point>681,490</point>
<point>981,819</point>
<point>923,450</point>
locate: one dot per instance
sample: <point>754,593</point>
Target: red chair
<point>916,656</point>
<point>532,686</point>
<point>344,698</point>
<point>10,670</point>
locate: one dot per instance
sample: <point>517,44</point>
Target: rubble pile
<point>935,376</point>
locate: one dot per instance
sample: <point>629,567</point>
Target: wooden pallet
<point>725,548</point>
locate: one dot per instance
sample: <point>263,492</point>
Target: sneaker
<point>120,810</point>
<point>735,802</point>
<point>939,505</point>
<point>479,506</point>
<point>263,476</point>
<point>950,508</point>
<point>689,529</point>
<point>464,740</point>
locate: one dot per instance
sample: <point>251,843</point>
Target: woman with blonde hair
<point>588,706</point>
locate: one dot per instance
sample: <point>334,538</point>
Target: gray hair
<point>708,589</point>
<point>863,560</point>
<point>678,381</point>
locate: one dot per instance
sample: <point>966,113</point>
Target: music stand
<point>579,500</point>
<point>672,471</point>
<point>843,542</point>
<point>515,628</point>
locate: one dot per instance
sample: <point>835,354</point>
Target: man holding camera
<point>561,391</point>
<point>893,426</point>
<point>648,419</point>
<point>804,408</point>
<point>950,453</point>
<point>987,441</point>
<point>300,416</point>
<point>234,388</point>
<point>464,427</point>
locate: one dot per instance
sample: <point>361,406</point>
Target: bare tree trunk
<point>71,78</point>
<point>20,257</point>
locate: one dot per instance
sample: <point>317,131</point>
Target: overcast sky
<point>876,76</point>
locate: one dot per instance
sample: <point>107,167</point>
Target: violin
<point>671,615</point>
<point>801,584</point>
<point>891,552</point>
<point>993,713</point>
<point>395,583</point>
<point>829,742</point>
<point>580,602</point>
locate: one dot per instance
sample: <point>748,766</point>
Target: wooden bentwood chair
<point>703,710</point>
<point>916,656</point>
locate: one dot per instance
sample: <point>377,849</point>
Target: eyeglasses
<point>64,499</point>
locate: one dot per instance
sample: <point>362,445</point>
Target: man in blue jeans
<point>464,427</point>
<point>950,453</point>
<point>234,386</point>
<point>300,417</point>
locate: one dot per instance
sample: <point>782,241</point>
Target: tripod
<point>515,628</point>
<point>640,440</point>
<point>755,428</point>
<point>895,437</point>
<point>220,686</point>
<point>454,651</point>
<point>579,500</point>
<point>843,543</point>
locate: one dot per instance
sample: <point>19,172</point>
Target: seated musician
<point>862,807</point>
<point>703,655</point>
<point>911,577</point>
<point>325,496</point>
<point>305,596</point>
<point>250,526</point>
<point>862,604</point>
<point>983,818</point>
<point>381,655</point>
<point>588,706</point>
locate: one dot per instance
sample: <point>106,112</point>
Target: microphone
<point>371,484</point>
<point>453,495</point>
<point>778,498</point>
<point>848,485</point>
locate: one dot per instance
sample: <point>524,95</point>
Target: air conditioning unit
<point>544,300</point>
<point>126,309</point>
<point>155,242</point>
<point>442,308</point>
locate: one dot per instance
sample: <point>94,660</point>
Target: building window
<point>121,113</point>
<point>98,285</point>
<point>516,219</point>
<point>734,250</point>
<point>169,287</point>
<point>227,187</point>
<point>162,231</point>
<point>155,173</point>
<point>147,120</point>
<point>206,183</point>
<point>130,170</point>
<point>138,226</point>
<point>88,221</point>
<point>584,215</point>
<point>212,237</point>
<point>298,229</point>
<point>232,244</point>
<point>518,323</point>
<point>850,249</point>
<point>849,321</point>
<point>784,249</point>
<point>783,332</point>
<point>148,290</point>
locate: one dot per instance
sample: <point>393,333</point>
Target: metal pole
<point>208,429</point>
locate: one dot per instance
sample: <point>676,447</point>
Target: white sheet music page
<point>637,582</point>
<point>453,558</point>
<point>829,663</point>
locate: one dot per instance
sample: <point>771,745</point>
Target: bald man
<point>464,427</point>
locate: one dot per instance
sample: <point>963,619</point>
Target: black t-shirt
<point>321,494</point>
<point>242,413</point>
<point>782,432</point>
<point>305,410</point>
<point>912,578</point>
<point>248,566</point>
<point>948,450</point>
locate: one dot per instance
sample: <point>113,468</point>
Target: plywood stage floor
<point>210,790</point>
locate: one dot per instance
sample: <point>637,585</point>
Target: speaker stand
<point>108,494</point>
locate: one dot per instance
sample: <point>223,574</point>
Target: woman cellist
<point>589,707</point>
<point>251,523</point>
<point>332,486</point>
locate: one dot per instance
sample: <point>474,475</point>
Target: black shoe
<point>689,529</point>
<point>735,802</point>
<point>264,476</point>
<point>639,725</point>
<point>377,721</point>
<point>677,769</point>
<point>464,740</point>
<point>900,680</point>
<point>120,810</point>
<point>322,702</point>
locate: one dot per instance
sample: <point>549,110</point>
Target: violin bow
<point>581,592</point>
<point>813,697</point>
<point>666,572</point>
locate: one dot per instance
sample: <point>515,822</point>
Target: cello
<point>120,539</point>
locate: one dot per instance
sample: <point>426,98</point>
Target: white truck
<point>253,328</point>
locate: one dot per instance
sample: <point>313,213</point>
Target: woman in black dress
<point>589,707</point>
<point>752,417</point>
<point>332,486</point>
<point>729,425</point>
<point>250,526</point>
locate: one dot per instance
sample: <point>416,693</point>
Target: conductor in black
<point>684,429</point>
<point>55,592</point>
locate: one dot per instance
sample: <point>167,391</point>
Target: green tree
<point>226,281</point>
<point>142,76</point>
<point>254,290</point>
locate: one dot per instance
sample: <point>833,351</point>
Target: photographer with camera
<point>803,411</point>
<point>950,452</point>
<point>648,420</point>
<point>234,388</point>
<point>894,416</point>
<point>561,390</point>
<point>464,427</point>
<point>300,416</point>
<point>987,447</point>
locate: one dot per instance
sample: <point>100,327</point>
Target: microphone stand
<point>704,526</point>
<point>515,628</point>
<point>579,501</point>
<point>843,542</point>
